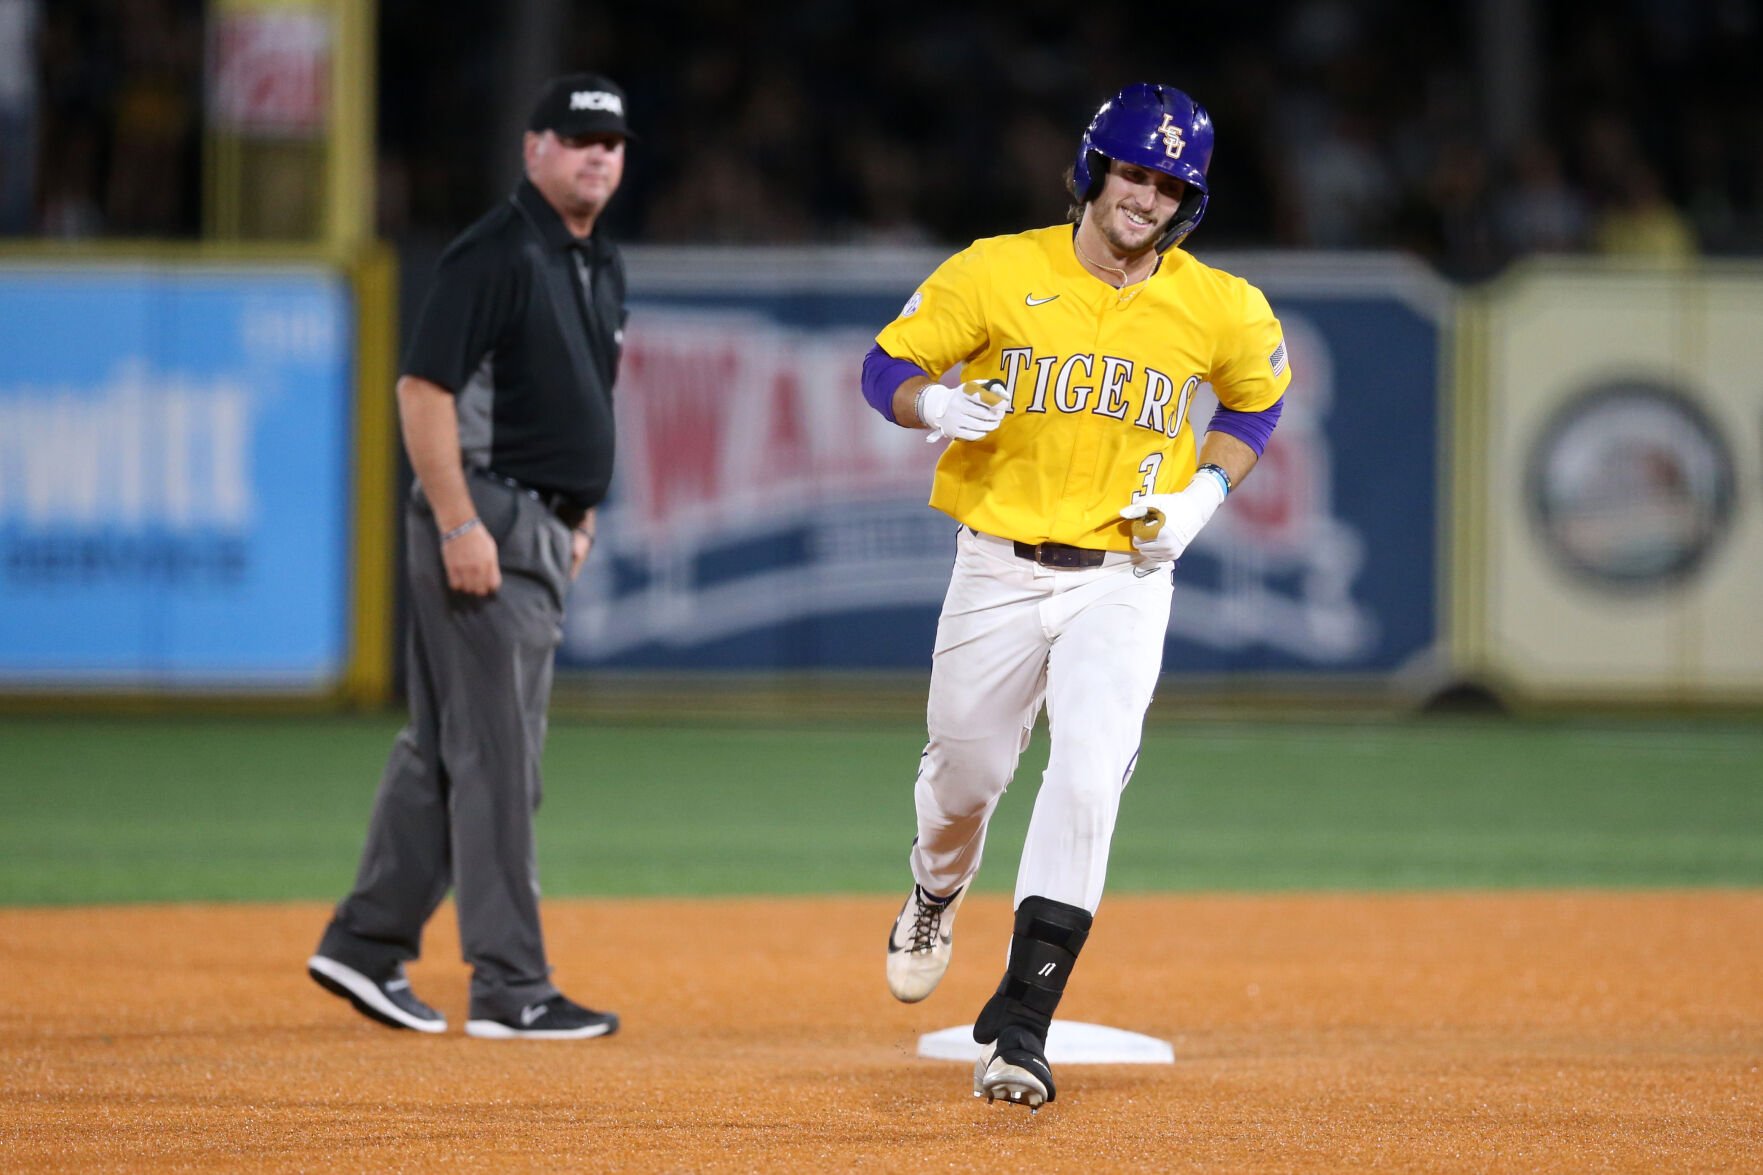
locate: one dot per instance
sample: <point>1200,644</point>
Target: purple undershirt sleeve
<point>882,376</point>
<point>1251,428</point>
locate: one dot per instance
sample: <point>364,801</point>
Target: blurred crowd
<point>113,122</point>
<point>1340,124</point>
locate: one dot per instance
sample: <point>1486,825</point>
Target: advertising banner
<point>174,477</point>
<point>764,517</point>
<point>1623,545</point>
<point>269,67</point>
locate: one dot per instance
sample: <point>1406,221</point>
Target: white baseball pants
<point>1089,642</point>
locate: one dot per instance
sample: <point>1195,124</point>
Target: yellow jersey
<point>1099,380</point>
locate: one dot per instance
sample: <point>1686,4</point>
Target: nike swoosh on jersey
<point>1034,301</point>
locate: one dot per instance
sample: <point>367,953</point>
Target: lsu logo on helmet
<point>1158,128</point>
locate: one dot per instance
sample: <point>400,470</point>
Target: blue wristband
<point>1219,473</point>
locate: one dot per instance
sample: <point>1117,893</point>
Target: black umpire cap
<point>581,104</point>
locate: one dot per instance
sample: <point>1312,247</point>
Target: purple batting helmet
<point>1156,127</point>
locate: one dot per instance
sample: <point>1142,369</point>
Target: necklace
<point>1124,281</point>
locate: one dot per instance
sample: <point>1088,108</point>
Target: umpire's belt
<point>567,511</point>
<point>1051,554</point>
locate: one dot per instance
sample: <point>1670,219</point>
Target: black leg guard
<point>1043,948</point>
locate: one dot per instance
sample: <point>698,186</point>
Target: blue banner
<point>764,517</point>
<point>174,477</point>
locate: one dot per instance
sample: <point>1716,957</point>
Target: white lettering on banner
<point>736,421</point>
<point>143,449</point>
<point>735,430</point>
<point>756,488</point>
<point>274,331</point>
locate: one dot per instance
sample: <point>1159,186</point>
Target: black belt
<point>1056,554</point>
<point>561,505</point>
<point>1060,555</point>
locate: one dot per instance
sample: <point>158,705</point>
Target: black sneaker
<point>558,1018</point>
<point>388,1000</point>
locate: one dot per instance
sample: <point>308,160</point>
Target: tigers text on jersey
<point>1099,380</point>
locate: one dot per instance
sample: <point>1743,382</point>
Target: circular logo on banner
<point>1631,486</point>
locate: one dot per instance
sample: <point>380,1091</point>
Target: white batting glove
<point>966,413</point>
<point>1164,524</point>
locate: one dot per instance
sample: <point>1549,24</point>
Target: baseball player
<point>1072,469</point>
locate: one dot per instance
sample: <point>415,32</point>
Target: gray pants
<point>455,805</point>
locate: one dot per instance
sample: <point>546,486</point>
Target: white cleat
<point>920,944</point>
<point>1019,1077</point>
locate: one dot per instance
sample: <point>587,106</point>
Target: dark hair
<point>1074,212</point>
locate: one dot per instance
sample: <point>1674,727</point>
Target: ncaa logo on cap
<point>581,104</point>
<point>596,100</point>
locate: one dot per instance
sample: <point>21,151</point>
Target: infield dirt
<point>1476,1032</point>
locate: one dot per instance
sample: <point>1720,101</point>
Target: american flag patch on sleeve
<point>1277,360</point>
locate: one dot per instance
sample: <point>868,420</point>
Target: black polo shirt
<point>525,324</point>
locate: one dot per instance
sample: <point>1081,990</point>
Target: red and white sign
<point>738,420</point>
<point>269,72</point>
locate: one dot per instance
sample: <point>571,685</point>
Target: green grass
<point>107,810</point>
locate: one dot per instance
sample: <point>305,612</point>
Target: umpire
<point>506,405</point>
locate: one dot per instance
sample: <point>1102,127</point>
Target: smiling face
<point>576,174</point>
<point>1133,208</point>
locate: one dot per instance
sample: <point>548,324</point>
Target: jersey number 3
<point>1149,467</point>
